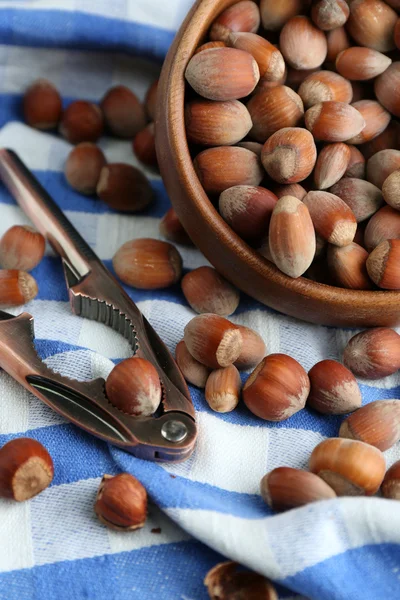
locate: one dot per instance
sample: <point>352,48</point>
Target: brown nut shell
<point>206,291</point>
<point>223,389</point>
<point>124,188</point>
<point>124,114</point>
<point>289,155</point>
<point>363,198</point>
<point>383,265</point>
<point>291,189</point>
<point>334,121</point>
<point>216,123</point>
<point>391,483</point>
<point>144,146</point>
<point>133,387</point>
<point>371,23</point>
<point>42,106</point>
<point>193,371</point>
<point>222,74</point>
<point>247,209</point>
<point>333,220</point>
<point>377,424</point>
<point>121,502</point>
<point>391,191</point>
<point>285,488</point>
<point>383,225</point>
<point>26,469</point>
<point>226,166</point>
<point>373,353</point>
<point>387,89</point>
<point>302,44</point>
<point>273,109</point>
<point>213,340</point>
<point>360,64</point>
<point>277,388</point>
<point>16,288</point>
<point>81,122</point>
<point>148,264</point>
<point>337,40</point>
<point>253,349</point>
<point>334,389</point>
<point>330,14</point>
<point>242,16</point>
<point>21,248</point>
<point>331,165</point>
<point>291,236</point>
<point>350,467</point>
<point>356,166</point>
<point>83,167</point>
<point>270,61</point>
<point>376,120</point>
<point>324,86</point>
<point>347,265</point>
<point>172,229</point>
<point>381,165</point>
<point>226,582</point>
<point>275,14</point>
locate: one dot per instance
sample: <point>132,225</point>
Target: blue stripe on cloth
<point>80,30</point>
<point>356,574</point>
<point>55,184</point>
<point>69,446</point>
<point>160,572</point>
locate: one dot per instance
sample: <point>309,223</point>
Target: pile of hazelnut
<point>296,104</point>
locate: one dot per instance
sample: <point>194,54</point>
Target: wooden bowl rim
<point>187,40</point>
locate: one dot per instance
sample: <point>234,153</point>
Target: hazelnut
<point>373,353</point>
<point>21,248</point>
<point>391,189</point>
<point>363,198</point>
<point>81,122</point>
<point>42,105</point>
<point>337,40</point>
<point>206,291</point>
<point>277,388</point>
<point>377,424</point>
<point>124,115</point>
<point>150,101</point>
<point>83,167</point>
<point>223,389</point>
<point>291,236</point>
<point>330,14</point>
<point>360,64</point>
<point>371,23</point>
<point>376,120</point>
<point>383,225</point>
<point>285,488</point>
<point>275,14</point>
<point>121,502</point>
<point>209,45</point>
<point>270,61</point>
<point>356,166</point>
<point>291,189</point>
<point>235,73</point>
<point>383,265</point>
<point>255,147</point>
<point>26,469</point>
<point>388,139</point>
<point>350,467</point>
<point>133,387</point>
<point>172,229</point>
<point>289,155</point>
<point>271,110</point>
<point>144,146</point>
<point>124,188</point>
<point>193,371</point>
<point>331,165</point>
<point>381,165</point>
<point>226,166</point>
<point>253,349</point>
<point>324,86</point>
<point>334,121</point>
<point>242,16</point>
<point>333,220</point>
<point>387,89</point>
<point>247,209</point>
<point>391,483</point>
<point>347,265</point>
<point>213,340</point>
<point>295,77</point>
<point>216,123</point>
<point>226,582</point>
<point>16,288</point>
<point>302,44</point>
<point>334,389</point>
<point>148,264</point>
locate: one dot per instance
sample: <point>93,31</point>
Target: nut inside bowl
<point>230,255</point>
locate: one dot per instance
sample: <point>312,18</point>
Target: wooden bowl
<point>230,255</point>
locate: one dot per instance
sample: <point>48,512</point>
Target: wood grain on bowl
<point>231,256</point>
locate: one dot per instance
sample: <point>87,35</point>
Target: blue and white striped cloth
<point>54,547</point>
